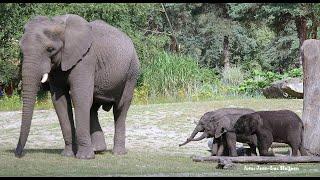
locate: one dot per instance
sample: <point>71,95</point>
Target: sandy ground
<point>157,129</point>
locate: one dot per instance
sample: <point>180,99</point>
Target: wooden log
<point>260,159</point>
<point>277,145</point>
<point>310,56</point>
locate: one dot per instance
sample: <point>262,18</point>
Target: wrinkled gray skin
<point>283,126</point>
<point>219,124</point>
<point>90,64</point>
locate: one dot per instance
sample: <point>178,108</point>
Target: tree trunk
<point>261,159</point>
<point>301,25</point>
<point>226,53</point>
<point>314,28</point>
<point>310,55</point>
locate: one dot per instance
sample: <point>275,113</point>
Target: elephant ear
<point>77,39</point>
<point>219,130</point>
<point>255,121</point>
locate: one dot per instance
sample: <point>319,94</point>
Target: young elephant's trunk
<point>194,133</point>
<point>204,135</point>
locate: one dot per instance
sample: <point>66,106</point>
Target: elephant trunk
<point>194,133</point>
<point>204,135</point>
<point>31,85</point>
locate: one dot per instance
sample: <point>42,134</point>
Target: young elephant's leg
<point>265,140</point>
<point>62,103</point>
<point>97,136</point>
<point>294,150</point>
<point>214,148</point>
<point>221,148</point>
<point>294,142</point>
<point>253,145</point>
<point>231,140</point>
<point>253,151</point>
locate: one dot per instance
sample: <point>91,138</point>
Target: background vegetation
<point>188,52</point>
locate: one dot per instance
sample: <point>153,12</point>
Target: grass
<point>42,162</point>
<point>153,134</point>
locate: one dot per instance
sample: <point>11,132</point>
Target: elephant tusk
<point>44,78</point>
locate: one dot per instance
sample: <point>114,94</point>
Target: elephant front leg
<point>265,140</point>
<point>62,104</point>
<point>221,148</point>
<point>231,139</point>
<point>214,148</point>
<point>82,98</point>
<point>253,148</point>
<point>82,116</point>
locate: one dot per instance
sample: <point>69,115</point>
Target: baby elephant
<point>282,126</point>
<point>218,125</point>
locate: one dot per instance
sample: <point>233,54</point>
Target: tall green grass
<point>172,75</point>
<point>14,102</point>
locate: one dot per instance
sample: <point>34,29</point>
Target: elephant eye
<point>50,49</point>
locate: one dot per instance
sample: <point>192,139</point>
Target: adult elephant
<point>88,65</point>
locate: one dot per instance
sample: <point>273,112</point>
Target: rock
<point>294,89</point>
<point>287,88</point>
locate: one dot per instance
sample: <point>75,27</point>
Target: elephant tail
<point>302,150</point>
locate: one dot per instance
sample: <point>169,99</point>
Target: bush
<point>259,80</point>
<point>172,75</point>
<point>232,76</point>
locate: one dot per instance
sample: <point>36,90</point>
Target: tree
<point>280,15</point>
<point>310,53</point>
<point>207,33</point>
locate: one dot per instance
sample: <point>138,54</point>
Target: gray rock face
<point>287,88</point>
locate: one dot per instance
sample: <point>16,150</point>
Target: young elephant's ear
<point>219,130</point>
<point>255,121</point>
<point>77,39</point>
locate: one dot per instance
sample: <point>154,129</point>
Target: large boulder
<point>287,88</point>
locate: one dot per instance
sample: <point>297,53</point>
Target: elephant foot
<point>98,141</point>
<point>68,152</point>
<point>85,153</point>
<point>119,151</point>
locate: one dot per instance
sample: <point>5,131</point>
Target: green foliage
<point>259,80</point>
<point>263,40</point>
<point>232,76</point>
<point>168,74</point>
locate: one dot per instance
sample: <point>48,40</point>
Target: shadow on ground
<point>50,151</point>
<point>32,151</point>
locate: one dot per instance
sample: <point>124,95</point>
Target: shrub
<point>232,76</point>
<point>173,75</point>
<point>259,80</point>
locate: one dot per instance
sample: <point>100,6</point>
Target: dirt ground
<point>155,128</point>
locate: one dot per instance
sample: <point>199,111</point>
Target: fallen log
<point>260,159</point>
<point>277,145</point>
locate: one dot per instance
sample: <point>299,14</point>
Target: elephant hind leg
<point>97,136</point>
<point>120,110</point>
